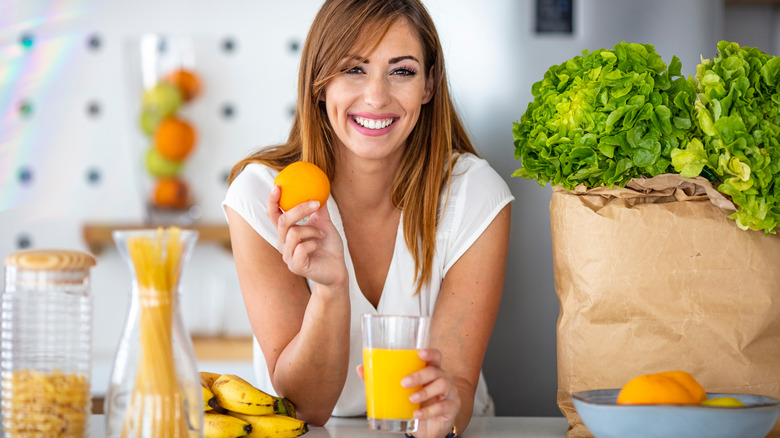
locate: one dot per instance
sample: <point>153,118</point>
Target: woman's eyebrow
<point>401,58</point>
<point>391,60</point>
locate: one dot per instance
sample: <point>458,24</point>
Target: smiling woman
<point>417,223</point>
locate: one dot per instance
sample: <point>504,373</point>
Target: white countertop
<point>480,427</point>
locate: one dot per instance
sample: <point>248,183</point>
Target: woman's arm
<point>303,334</point>
<point>463,320</point>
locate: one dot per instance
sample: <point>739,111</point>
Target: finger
<point>272,208</point>
<point>301,211</point>
<point>359,370</point>
<point>299,234</point>
<point>447,409</point>
<point>437,390</point>
<point>422,377</point>
<point>285,221</point>
<point>302,254</point>
<point>322,213</point>
<point>293,237</point>
<point>430,355</point>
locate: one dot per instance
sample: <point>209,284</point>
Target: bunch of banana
<point>241,410</point>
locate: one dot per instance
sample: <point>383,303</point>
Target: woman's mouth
<point>372,126</point>
<point>373,123</point>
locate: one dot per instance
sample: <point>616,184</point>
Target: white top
<point>478,193</point>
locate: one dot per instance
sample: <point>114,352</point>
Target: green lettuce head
<point>605,117</point>
<point>738,113</point>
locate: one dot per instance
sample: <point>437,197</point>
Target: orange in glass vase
<point>174,138</point>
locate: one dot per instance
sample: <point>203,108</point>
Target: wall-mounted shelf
<point>98,236</point>
<point>222,348</point>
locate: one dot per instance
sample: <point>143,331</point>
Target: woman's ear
<point>428,87</point>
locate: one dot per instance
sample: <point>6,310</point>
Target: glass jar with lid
<point>46,349</point>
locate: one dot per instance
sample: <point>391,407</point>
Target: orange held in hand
<point>670,387</point>
<point>174,138</point>
<point>300,182</point>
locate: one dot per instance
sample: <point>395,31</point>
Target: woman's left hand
<point>439,398</point>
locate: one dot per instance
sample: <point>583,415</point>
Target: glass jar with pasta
<point>47,344</point>
<point>154,389</point>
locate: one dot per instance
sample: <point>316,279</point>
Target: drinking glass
<point>390,345</point>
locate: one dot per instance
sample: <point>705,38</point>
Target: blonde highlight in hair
<point>339,32</point>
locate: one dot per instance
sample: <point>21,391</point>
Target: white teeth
<point>373,123</point>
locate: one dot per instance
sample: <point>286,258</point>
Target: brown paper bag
<point>655,277</point>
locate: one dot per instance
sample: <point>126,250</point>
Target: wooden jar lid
<point>50,260</point>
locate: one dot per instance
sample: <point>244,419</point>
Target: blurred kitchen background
<point>70,158</point>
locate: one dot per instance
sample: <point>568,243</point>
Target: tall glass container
<point>154,389</point>
<point>46,344</point>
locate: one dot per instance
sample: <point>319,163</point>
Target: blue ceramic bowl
<point>606,419</point>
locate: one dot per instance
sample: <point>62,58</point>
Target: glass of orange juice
<point>390,344</point>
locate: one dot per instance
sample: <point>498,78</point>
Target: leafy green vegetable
<point>738,113</point>
<point>605,117</point>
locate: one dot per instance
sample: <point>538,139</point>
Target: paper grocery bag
<point>655,277</point>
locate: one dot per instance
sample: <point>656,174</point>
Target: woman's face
<point>374,106</point>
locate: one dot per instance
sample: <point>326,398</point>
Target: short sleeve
<point>477,195</point>
<point>247,195</point>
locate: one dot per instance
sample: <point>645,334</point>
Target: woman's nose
<point>377,92</point>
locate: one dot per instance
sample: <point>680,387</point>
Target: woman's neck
<point>364,186</point>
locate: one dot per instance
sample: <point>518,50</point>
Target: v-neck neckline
<point>337,220</point>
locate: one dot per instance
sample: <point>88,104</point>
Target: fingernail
<point>414,398</point>
<point>405,382</point>
<point>314,205</point>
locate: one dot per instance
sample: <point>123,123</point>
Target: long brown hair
<point>341,29</point>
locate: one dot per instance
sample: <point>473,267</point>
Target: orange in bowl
<point>301,182</point>
<point>669,387</point>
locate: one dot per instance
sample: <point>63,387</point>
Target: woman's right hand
<point>313,249</point>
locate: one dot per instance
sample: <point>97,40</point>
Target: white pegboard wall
<point>70,147</point>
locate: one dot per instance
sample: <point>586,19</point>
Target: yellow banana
<point>224,426</point>
<point>273,425</point>
<point>207,378</point>
<point>286,407</point>
<point>209,400</point>
<point>236,394</point>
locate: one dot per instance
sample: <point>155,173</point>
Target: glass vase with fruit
<point>169,84</point>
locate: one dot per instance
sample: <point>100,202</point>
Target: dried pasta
<point>157,403</point>
<point>40,404</point>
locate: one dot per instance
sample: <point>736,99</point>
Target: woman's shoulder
<point>250,188</point>
<point>467,160</point>
<point>477,193</point>
<point>254,171</point>
<point>251,178</point>
<point>475,170</point>
<point>474,185</point>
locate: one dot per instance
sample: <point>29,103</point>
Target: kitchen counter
<point>480,427</point>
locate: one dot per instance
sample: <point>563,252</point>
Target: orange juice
<point>383,370</point>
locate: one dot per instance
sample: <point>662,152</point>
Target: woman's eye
<point>353,70</point>
<point>404,72</point>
